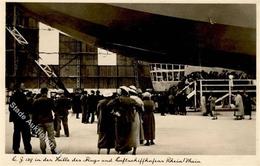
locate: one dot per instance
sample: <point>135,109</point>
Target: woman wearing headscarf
<point>148,119</point>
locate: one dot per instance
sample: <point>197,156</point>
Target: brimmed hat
<point>125,88</point>
<point>133,87</point>
<point>139,91</point>
<point>147,94</point>
<point>60,91</point>
<point>132,91</point>
<point>107,93</point>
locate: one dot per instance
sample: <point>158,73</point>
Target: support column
<point>230,84</point>
<point>135,63</point>
<point>14,47</point>
<point>195,96</point>
<point>78,61</point>
<point>201,93</point>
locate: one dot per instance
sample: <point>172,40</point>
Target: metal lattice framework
<point>45,67</point>
<point>17,35</point>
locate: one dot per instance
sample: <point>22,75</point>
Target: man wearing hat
<point>84,99</point>
<point>98,97</point>
<point>106,124</point>
<point>76,103</point>
<point>62,106</point>
<point>91,107</point>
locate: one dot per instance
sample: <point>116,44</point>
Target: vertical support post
<point>201,93</point>
<point>117,84</point>
<point>98,77</point>
<point>78,61</point>
<point>230,84</point>
<point>136,73</point>
<point>14,45</point>
<point>38,78</point>
<point>195,96</point>
<point>229,94</point>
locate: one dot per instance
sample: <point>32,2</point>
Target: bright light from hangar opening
<point>48,45</point>
<point>106,58</point>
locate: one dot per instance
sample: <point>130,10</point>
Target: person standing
<point>155,99</point>
<point>62,107</point>
<point>182,103</point>
<point>43,108</point>
<point>126,122</point>
<point>203,106</point>
<point>92,107</point>
<point>240,106</point>
<point>29,98</point>
<point>76,103</point>
<point>162,103</point>
<point>209,106</point>
<point>247,105</point>
<point>171,100</point>
<point>106,124</point>
<point>98,98</point>
<point>84,99</point>
<point>134,95</point>
<point>19,115</point>
<point>212,106</point>
<point>148,118</point>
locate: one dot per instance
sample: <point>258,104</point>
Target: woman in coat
<point>126,122</point>
<point>148,119</point>
<point>106,126</point>
<point>240,106</point>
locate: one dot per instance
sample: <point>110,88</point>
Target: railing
<point>226,87</point>
<point>192,93</point>
<point>222,88</point>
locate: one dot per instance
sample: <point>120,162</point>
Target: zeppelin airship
<point>212,35</point>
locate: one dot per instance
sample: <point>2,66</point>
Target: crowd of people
<point>170,103</point>
<point>125,119</point>
<point>33,116</point>
<point>242,102</point>
<point>218,75</point>
<point>176,102</point>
